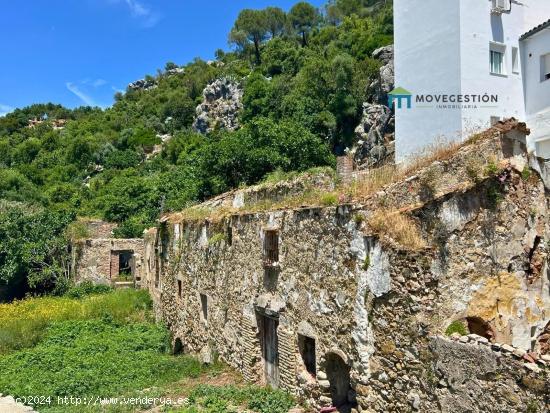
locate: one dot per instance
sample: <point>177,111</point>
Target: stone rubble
<point>532,361</point>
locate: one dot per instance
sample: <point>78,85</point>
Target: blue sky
<point>77,52</point>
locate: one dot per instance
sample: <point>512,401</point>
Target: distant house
<point>470,63</point>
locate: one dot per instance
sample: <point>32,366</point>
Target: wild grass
<point>94,358</point>
<point>398,227</point>
<point>364,185</point>
<point>280,176</point>
<point>23,323</point>
<point>229,399</point>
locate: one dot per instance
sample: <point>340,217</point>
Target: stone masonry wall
<point>95,259</point>
<point>373,306</point>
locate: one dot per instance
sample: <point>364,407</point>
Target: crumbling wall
<point>96,259</point>
<point>379,313</point>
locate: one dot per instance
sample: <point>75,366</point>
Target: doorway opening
<point>270,348</point>
<point>338,374</point>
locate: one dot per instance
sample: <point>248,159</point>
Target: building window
<point>180,289</point>
<point>307,351</point>
<point>497,53</point>
<point>204,307</point>
<point>545,67</point>
<point>515,60</point>
<point>271,247</point>
<point>503,5</point>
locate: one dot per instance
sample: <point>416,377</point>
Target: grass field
<point>107,346</point>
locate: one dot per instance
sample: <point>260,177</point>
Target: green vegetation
<point>456,326</point>
<point>305,76</point>
<point>217,238</point>
<point>526,173</point>
<point>210,399</point>
<point>366,263</point>
<point>24,323</point>
<point>94,357</point>
<point>106,345</point>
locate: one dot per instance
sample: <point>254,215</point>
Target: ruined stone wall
<point>373,306</point>
<point>96,259</point>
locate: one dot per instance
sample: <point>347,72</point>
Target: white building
<point>468,63</point>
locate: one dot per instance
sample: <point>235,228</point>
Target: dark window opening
<point>180,288</point>
<point>307,351</point>
<point>125,264</point>
<point>178,347</point>
<point>204,307</point>
<point>480,327</point>
<point>271,247</point>
<point>229,235</point>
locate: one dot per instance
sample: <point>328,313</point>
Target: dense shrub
<point>87,288</point>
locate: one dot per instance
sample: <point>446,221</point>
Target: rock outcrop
<point>221,106</point>
<point>375,133</point>
<point>375,138</point>
<point>384,84</point>
<point>143,84</point>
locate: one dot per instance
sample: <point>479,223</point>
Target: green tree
<point>276,20</point>
<point>303,17</point>
<point>252,26</point>
<point>33,249</point>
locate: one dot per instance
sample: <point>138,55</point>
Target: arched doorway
<point>338,374</point>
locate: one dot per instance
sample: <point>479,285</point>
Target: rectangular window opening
<point>180,289</point>
<point>271,247</point>
<point>204,307</point>
<point>306,346</point>
<point>497,59</point>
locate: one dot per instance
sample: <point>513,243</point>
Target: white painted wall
<point>442,47</point>
<point>478,29</point>
<point>537,92</point>
<point>427,60</point>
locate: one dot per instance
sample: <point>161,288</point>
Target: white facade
<point>443,57</point>
<point>536,58</point>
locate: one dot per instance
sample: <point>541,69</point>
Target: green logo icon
<point>399,94</point>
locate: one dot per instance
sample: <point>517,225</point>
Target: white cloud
<point>140,11</point>
<point>88,100</point>
<point>5,109</point>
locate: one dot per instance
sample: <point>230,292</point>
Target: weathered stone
<point>369,307</point>
<point>374,140</point>
<point>220,107</point>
